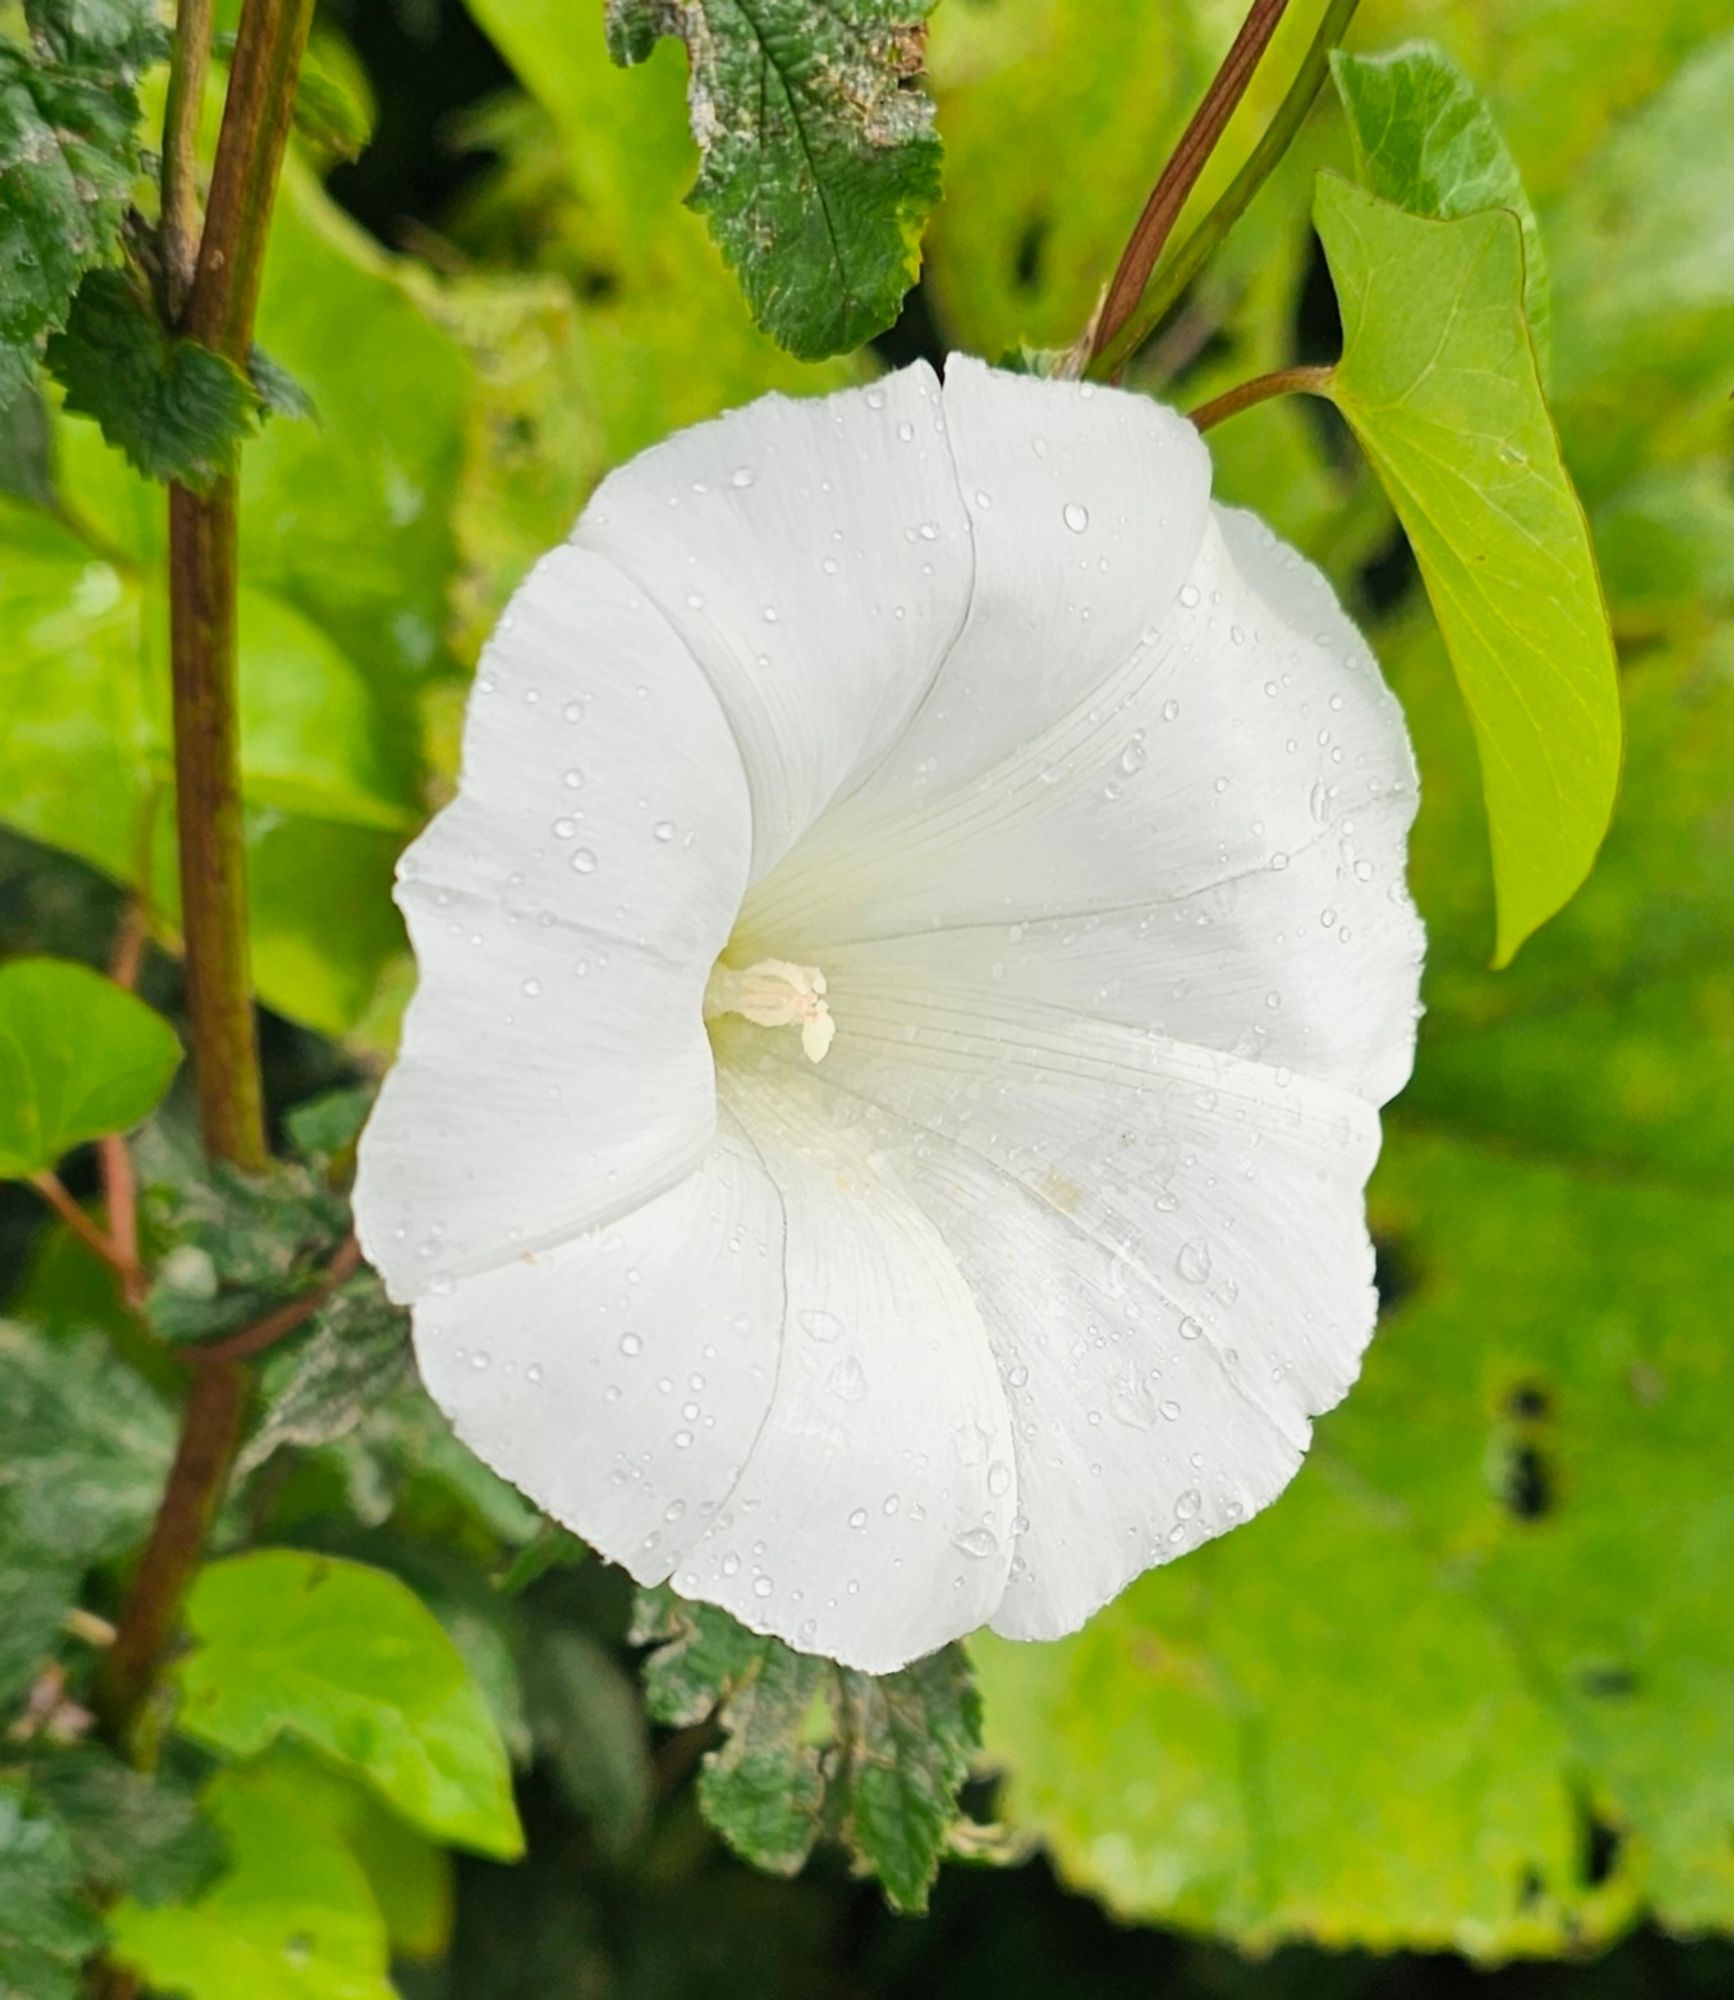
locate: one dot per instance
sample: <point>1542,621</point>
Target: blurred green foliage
<point>1466,1688</point>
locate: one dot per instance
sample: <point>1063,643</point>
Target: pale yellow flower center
<point>775,994</point>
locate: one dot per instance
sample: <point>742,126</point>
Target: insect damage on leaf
<point>820,162</point>
<point>69,150</point>
<point>808,1747</point>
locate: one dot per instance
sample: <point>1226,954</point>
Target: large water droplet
<point>1076,518</point>
<point>584,862</point>
<point>1193,1262</point>
<point>977,1543</point>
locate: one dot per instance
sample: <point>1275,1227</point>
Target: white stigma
<point>775,994</point>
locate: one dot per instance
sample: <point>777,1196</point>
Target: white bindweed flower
<point>906,985</point>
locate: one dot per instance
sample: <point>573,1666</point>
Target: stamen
<point>775,994</point>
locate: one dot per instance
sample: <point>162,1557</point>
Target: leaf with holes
<point>1438,380</point>
<point>820,161</point>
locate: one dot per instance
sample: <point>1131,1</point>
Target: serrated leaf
<point>278,392</point>
<point>356,1353</point>
<point>1438,381</point>
<point>68,153</point>
<point>908,1739</point>
<point>132,1832</point>
<point>176,409</point>
<point>809,1747</point>
<point>79,1057</point>
<point>1426,140</point>
<point>820,162</point>
<point>333,108</point>
<point>37,1589</point>
<point>346,1659</point>
<point>47,1929</point>
<point>291,1918</point>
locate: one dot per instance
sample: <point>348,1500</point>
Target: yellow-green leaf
<point>1438,380</point>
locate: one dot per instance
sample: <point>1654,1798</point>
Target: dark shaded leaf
<point>130,1832</point>
<point>124,35</point>
<point>585,1718</point>
<point>279,394</point>
<point>47,1929</point>
<point>176,409</point>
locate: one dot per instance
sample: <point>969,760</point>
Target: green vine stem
<point>178,234</point>
<point>203,554</point>
<point>1178,178</point>
<point>1175,277</point>
<point>1280,382</point>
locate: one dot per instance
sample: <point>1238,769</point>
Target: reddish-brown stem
<point>202,587</point>
<point>53,1191</point>
<point>283,1320</point>
<point>1280,382</point>
<point>119,1183</point>
<point>1180,175</point>
<point>212,1421</point>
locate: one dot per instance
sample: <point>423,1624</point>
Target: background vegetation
<point>1468,1689</point>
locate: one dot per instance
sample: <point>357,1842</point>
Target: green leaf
<point>233,1245</point>
<point>809,1746</point>
<point>1438,380</point>
<point>585,182</point>
<point>410,1878</point>
<point>84,1447</point>
<point>346,1659</point>
<point>79,1057</point>
<point>586,1719</point>
<point>278,392</point>
<point>47,1930</point>
<point>908,1739</point>
<point>356,1353</point>
<point>123,33</point>
<point>334,109</point>
<point>820,162</point>
<point>292,1918</point>
<point>1426,140</point>
<point>36,1592</point>
<point>68,153</point>
<point>130,1832</point>
<point>177,410</point>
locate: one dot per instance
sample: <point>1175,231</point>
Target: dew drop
<point>664,829</point>
<point>630,1345</point>
<point>977,1543</point>
<point>584,862</point>
<point>999,1478</point>
<point>1193,1262</point>
<point>1076,518</point>
<point>743,475</point>
<point>819,1325</point>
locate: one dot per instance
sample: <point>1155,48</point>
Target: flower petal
<point>621,1378</point>
<point>795,1409</point>
<point>565,910</point>
<point>1166,1245</point>
<point>1210,844</point>
<point>816,559</point>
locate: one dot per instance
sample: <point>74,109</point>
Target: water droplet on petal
<point>1076,518</point>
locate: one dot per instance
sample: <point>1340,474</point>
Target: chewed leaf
<point>820,164</point>
<point>68,152</point>
<point>876,1760</point>
<point>79,1057</point>
<point>1438,380</point>
<point>1425,139</point>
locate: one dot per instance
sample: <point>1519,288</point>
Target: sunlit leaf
<point>1425,139</point>
<point>79,1056</point>
<point>1438,379</point>
<point>292,1917</point>
<point>345,1658</point>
